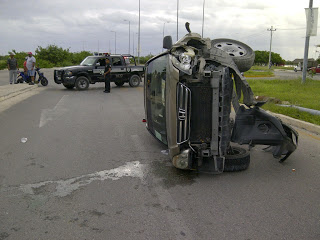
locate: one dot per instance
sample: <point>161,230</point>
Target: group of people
<point>28,65</point>
<point>29,68</point>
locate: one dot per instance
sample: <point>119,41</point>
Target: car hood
<point>72,68</point>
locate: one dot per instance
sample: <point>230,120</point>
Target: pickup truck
<point>314,70</point>
<point>91,69</point>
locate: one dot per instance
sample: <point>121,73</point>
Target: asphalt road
<point>90,170</point>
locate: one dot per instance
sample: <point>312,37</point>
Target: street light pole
<point>115,42</point>
<point>129,34</point>
<point>139,37</point>
<point>203,16</point>
<point>177,19</point>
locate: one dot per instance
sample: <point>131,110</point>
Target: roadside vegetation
<point>290,92</point>
<point>54,56</point>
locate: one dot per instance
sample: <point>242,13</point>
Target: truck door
<point>98,70</point>
<point>119,69</point>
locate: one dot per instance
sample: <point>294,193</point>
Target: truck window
<point>116,61</point>
<point>155,98</point>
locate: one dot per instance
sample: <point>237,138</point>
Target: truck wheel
<point>295,70</point>
<point>242,54</point>
<point>82,83</point>
<point>237,159</point>
<point>68,86</point>
<point>134,81</point>
<point>119,84</point>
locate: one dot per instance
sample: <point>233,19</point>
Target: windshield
<point>88,61</point>
<point>156,98</point>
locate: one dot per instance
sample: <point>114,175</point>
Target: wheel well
<point>84,75</point>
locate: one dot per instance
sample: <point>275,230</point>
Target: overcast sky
<point>87,25</point>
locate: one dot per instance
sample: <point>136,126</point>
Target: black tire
<point>295,70</point>
<point>134,81</point>
<point>20,80</point>
<point>68,86</point>
<point>238,161</point>
<point>82,83</point>
<point>119,83</point>
<point>242,54</point>
<point>44,81</point>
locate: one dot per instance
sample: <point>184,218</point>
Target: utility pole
<point>271,30</point>
<point>306,49</point>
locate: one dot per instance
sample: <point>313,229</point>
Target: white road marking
<point>52,114</point>
<point>66,187</point>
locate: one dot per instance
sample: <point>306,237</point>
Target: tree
<point>262,57</point>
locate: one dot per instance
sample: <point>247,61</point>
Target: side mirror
<point>167,42</point>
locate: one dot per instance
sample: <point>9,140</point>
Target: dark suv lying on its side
<point>188,93</point>
<point>91,69</point>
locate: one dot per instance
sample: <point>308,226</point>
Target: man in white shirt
<point>31,62</point>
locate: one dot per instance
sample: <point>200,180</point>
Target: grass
<point>292,91</point>
<point>259,71</point>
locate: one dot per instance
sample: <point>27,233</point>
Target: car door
<point>98,69</point>
<point>118,71</point>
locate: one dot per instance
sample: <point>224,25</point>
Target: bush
<point>44,63</point>
<point>3,64</point>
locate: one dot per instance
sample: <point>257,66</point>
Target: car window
<point>156,98</point>
<point>102,61</point>
<point>116,61</point>
<point>88,61</point>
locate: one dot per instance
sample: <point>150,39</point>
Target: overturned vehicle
<point>190,90</point>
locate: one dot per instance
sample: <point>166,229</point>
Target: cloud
<point>88,24</point>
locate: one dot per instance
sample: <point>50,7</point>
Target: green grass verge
<point>303,95</point>
<point>259,71</point>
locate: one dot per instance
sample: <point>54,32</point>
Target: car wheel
<point>237,159</point>
<point>134,81</point>
<point>242,54</point>
<point>119,84</point>
<point>68,86</point>
<point>44,81</point>
<point>82,83</point>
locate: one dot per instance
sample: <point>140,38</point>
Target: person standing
<point>107,71</point>
<point>31,62</point>
<point>25,69</point>
<point>12,67</point>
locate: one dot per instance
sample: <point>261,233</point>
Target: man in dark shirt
<point>12,67</point>
<point>107,71</point>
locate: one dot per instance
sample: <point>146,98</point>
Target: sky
<point>98,25</point>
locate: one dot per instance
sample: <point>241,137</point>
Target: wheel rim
<point>232,49</point>
<point>82,84</point>
<point>135,81</point>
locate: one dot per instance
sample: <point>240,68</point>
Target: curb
<point>298,123</point>
<point>18,92</point>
